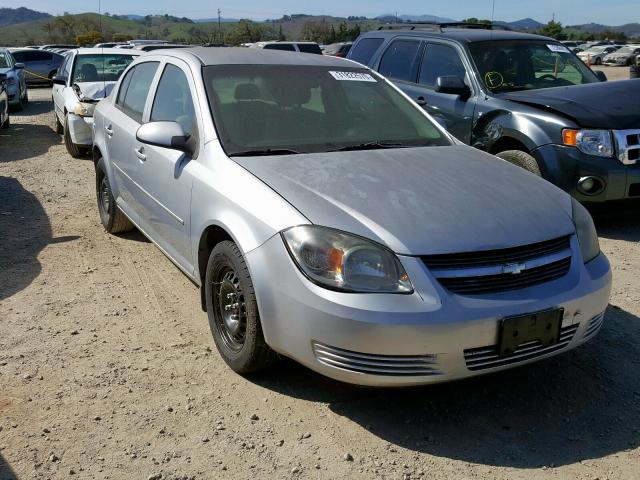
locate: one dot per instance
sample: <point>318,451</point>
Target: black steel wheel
<point>233,311</point>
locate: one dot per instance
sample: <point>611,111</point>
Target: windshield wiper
<point>371,146</point>
<point>264,153</point>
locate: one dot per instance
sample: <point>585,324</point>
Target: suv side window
<point>280,46</point>
<point>364,50</point>
<point>400,59</point>
<point>19,56</point>
<point>310,48</point>
<point>134,90</point>
<point>173,101</point>
<point>439,61</point>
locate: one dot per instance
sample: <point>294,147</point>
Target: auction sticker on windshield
<point>352,76</point>
<point>558,48</point>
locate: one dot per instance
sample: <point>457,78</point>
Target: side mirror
<point>58,80</point>
<point>453,85</point>
<point>167,135</point>
<point>601,76</point>
<point>19,66</point>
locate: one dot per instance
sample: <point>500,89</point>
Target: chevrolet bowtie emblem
<point>514,268</point>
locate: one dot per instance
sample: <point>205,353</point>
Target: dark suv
<point>525,98</point>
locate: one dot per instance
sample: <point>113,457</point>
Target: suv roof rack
<point>441,26</point>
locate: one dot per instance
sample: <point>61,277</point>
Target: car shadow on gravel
<point>24,231</point>
<point>24,141</point>
<point>35,107</point>
<point>6,473</point>
<point>581,405</point>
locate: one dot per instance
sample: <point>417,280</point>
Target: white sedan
<point>86,76</point>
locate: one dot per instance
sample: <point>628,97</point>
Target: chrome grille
<point>492,271</point>
<point>487,357</point>
<point>628,146</point>
<point>594,326</point>
<point>374,364</point>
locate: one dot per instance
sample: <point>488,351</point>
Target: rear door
<point>166,174</point>
<point>120,126</point>
<point>454,112</point>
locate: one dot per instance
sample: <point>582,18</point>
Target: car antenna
<point>493,12</point>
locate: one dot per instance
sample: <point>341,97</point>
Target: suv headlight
<point>591,142</point>
<point>340,261</point>
<point>585,231</point>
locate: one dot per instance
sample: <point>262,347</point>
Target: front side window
<point>400,60</point>
<point>134,90</point>
<point>527,65</point>
<point>290,109</point>
<point>99,68</point>
<point>440,61</point>
<point>20,56</point>
<point>173,101</point>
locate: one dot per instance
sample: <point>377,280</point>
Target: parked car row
<point>304,195</point>
<point>16,85</point>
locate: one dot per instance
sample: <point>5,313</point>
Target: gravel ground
<point>108,369</point>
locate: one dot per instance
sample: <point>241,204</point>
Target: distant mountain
<point>9,16</point>
<point>524,24</point>
<point>215,20</point>
<point>389,18</point>
<point>629,29</point>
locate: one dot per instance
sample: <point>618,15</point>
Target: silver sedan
<point>326,217</point>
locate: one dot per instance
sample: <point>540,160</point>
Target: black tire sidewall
<point>522,160</point>
<point>72,148</point>
<point>227,254</point>
<point>106,218</point>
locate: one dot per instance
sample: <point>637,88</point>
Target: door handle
<point>421,101</point>
<point>109,130</point>
<point>140,154</point>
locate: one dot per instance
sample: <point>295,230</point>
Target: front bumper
<point>368,339</point>
<point>564,166</point>
<point>81,129</point>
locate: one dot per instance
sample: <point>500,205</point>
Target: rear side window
<point>310,48</point>
<point>364,50</point>
<point>400,60</point>
<point>280,46</point>
<point>440,61</point>
<point>135,89</point>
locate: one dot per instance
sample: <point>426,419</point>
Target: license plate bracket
<point>543,326</point>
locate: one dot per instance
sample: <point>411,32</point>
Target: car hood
<point>420,200</point>
<point>608,105</point>
<point>95,90</point>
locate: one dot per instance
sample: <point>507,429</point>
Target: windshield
<point>526,65</point>
<point>628,50</point>
<point>280,109</point>
<point>99,68</point>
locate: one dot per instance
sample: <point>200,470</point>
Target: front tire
<point>112,218</point>
<point>73,149</point>
<point>521,159</point>
<point>233,311</point>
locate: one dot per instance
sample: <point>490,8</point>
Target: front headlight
<point>84,109</point>
<point>345,262</point>
<point>591,142</point>
<point>585,231</point>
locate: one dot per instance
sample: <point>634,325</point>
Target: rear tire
<point>521,159</point>
<point>232,309</point>
<point>73,149</point>
<point>112,218</point>
<point>58,127</point>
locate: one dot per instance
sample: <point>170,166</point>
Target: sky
<point>609,12</point>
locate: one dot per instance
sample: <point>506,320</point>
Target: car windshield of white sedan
<point>527,65</point>
<point>99,68</point>
<point>286,109</point>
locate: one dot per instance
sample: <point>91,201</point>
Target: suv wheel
<point>112,218</point>
<point>521,159</point>
<point>233,311</point>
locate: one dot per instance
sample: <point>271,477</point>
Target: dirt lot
<point>108,369</point>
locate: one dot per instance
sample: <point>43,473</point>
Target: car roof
<point>464,35</point>
<point>110,51</point>
<point>249,56</point>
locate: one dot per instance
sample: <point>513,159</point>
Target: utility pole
<point>219,27</point>
<point>396,17</point>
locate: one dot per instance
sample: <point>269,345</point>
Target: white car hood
<point>95,90</point>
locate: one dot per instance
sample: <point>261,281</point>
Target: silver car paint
<point>252,203</point>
